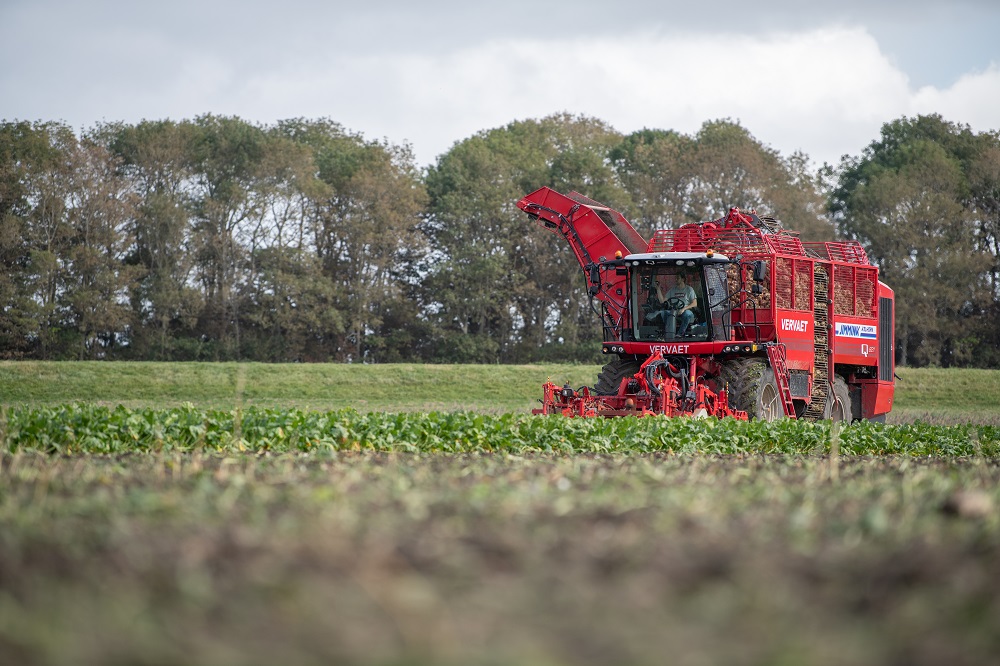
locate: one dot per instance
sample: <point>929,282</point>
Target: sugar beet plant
<point>94,429</point>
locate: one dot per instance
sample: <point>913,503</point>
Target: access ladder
<point>776,354</point>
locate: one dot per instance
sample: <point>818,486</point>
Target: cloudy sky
<point>821,79</point>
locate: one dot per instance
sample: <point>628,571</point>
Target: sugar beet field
<point>264,521</point>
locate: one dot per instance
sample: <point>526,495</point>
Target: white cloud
<point>823,91</point>
<point>974,99</point>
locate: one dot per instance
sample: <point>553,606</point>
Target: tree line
<point>220,239</point>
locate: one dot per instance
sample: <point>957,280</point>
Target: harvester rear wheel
<point>840,401</point>
<point>753,388</point>
<point>613,373</point>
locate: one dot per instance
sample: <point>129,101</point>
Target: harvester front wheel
<point>753,388</point>
<point>613,373</point>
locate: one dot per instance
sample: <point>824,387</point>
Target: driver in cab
<point>676,305</point>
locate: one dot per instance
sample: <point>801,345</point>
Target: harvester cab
<point>678,296</point>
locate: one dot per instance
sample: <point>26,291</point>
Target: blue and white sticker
<point>862,331</point>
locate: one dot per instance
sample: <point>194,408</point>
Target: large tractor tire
<point>840,401</point>
<point>753,388</point>
<point>613,373</point>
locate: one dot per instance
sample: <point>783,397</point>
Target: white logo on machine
<point>863,331</point>
<point>669,349</point>
<point>797,325</point>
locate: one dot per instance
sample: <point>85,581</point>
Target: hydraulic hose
<point>678,373</point>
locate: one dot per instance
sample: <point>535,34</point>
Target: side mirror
<point>759,271</point>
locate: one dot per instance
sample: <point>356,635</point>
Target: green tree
<point>26,152</point>
<point>289,310</point>
<point>227,154</point>
<point>675,179</point>
<point>242,175</point>
<point>907,198</point>
<point>98,281</point>
<point>362,219</point>
<point>500,288</point>
<point>984,203</point>
<point>63,238</point>
<point>45,168</point>
<point>156,158</point>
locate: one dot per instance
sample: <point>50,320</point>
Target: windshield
<point>669,303</point>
